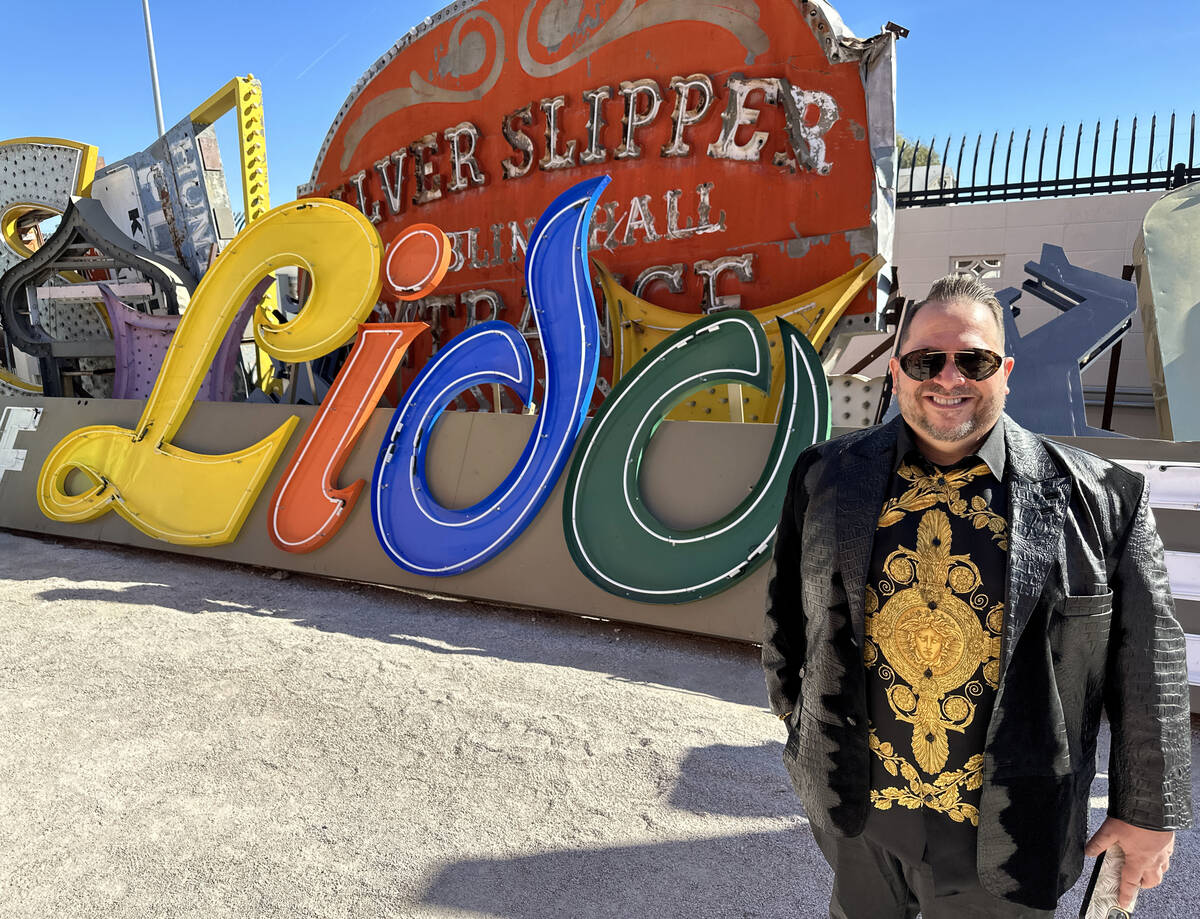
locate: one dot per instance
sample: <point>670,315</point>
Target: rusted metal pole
<point>1114,363</point>
<point>153,68</point>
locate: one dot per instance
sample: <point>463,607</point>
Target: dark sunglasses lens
<point>977,364</point>
<point>923,365</point>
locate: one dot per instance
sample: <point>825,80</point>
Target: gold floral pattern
<point>943,794</point>
<point>930,634</point>
<point>929,489</point>
<point>932,637</point>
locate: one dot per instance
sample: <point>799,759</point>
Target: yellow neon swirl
<point>639,325</point>
<point>192,498</point>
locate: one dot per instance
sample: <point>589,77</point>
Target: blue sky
<point>969,67</point>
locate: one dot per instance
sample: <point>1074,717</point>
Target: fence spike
<point>1170,149</point>
<point>1075,166</point>
<point>1008,156</point>
<point>1150,152</point>
<point>1132,142</point>
<point>912,166</point>
<point>1192,143</point>
<point>1112,162</point>
<point>928,163</point>
<point>1062,133</point>
<point>1042,155</point>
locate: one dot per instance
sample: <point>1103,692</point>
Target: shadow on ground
<point>197,585</point>
<point>757,769</point>
<point>702,877</point>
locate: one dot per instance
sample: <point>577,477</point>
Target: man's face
<point>951,412</point>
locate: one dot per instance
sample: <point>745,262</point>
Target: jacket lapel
<point>1037,506</point>
<point>861,489</point>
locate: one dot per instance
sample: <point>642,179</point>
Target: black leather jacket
<point>1089,624</point>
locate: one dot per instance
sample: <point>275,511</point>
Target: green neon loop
<point>613,537</point>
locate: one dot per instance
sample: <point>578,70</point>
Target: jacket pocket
<point>1087,604</point>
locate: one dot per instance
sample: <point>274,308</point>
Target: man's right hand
<point>1147,855</point>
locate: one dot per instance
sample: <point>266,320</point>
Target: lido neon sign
<point>190,498</point>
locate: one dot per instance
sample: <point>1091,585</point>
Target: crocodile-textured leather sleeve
<point>1146,691</point>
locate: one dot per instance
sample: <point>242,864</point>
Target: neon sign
<point>308,507</point>
<point>190,498</point>
<point>206,497</point>
<point>614,538</point>
<point>417,532</point>
<point>484,117</point>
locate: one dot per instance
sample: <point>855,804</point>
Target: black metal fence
<point>1043,172</point>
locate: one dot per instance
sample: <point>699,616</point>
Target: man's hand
<point>1147,854</point>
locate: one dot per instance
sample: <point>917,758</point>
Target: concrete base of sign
<point>469,455</point>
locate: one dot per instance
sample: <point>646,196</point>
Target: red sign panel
<point>738,136</point>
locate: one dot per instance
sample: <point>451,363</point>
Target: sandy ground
<point>181,737</point>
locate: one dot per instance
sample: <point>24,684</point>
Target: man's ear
<point>894,370</point>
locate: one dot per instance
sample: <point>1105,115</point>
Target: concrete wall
<point>469,455</point>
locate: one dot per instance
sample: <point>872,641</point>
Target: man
<point>954,600</point>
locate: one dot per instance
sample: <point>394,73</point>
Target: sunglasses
<point>974,363</point>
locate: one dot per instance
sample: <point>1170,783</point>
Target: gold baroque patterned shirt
<point>934,611</point>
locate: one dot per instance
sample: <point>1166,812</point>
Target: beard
<point>988,408</point>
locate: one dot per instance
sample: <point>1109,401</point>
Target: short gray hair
<point>958,288</point>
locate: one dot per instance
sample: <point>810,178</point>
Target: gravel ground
<point>183,737</point>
